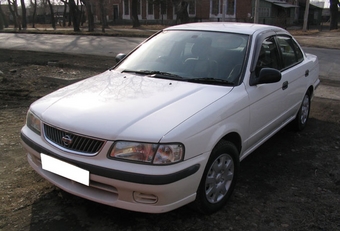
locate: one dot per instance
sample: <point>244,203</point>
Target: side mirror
<point>120,57</point>
<point>266,75</point>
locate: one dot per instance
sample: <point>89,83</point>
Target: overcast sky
<point>326,2</point>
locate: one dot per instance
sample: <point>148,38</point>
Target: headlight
<point>148,153</point>
<point>33,122</point>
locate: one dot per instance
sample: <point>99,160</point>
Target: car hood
<point>116,105</point>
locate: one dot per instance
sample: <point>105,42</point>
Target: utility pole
<point>256,11</point>
<point>305,18</point>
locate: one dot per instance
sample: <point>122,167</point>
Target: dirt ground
<point>315,38</point>
<point>292,182</point>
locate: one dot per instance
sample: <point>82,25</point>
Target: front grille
<point>72,142</point>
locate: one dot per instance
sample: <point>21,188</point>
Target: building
<point>165,11</point>
<point>275,12</point>
<point>278,12</point>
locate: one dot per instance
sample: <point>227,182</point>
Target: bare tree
<point>103,14</point>
<point>334,14</point>
<point>52,13</point>
<point>70,15</point>
<point>90,17</point>
<point>134,14</point>
<point>64,13</point>
<point>13,8</point>
<point>23,14</point>
<point>3,20</point>
<point>34,14</point>
<point>256,11</point>
<point>74,13</point>
<point>182,12</point>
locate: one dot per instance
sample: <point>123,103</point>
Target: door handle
<point>285,85</point>
<point>306,73</point>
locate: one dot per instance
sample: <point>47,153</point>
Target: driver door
<point>266,100</point>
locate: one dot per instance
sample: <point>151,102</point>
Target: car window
<point>191,54</point>
<point>291,53</point>
<point>269,55</point>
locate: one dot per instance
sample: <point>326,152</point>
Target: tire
<point>219,178</point>
<point>300,122</point>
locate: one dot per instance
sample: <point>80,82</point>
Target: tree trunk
<point>23,14</point>
<point>64,14</point>
<point>18,18</point>
<point>81,18</point>
<point>74,12</point>
<point>103,14</point>
<point>182,13</point>
<point>90,18</point>
<point>14,13</point>
<point>3,21</point>
<point>70,14</point>
<point>34,4</point>
<point>52,14</point>
<point>134,14</point>
<point>256,11</point>
<point>334,14</point>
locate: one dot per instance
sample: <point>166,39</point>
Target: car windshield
<point>195,56</point>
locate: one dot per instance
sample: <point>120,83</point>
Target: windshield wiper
<point>157,74</point>
<point>211,81</point>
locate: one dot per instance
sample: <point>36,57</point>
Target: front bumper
<point>152,192</point>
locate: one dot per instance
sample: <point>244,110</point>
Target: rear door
<point>294,71</point>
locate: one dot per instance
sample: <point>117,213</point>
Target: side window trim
<point>257,45</point>
<point>293,47</point>
<point>269,55</point>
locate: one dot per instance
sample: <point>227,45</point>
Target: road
<point>111,46</point>
<point>71,44</point>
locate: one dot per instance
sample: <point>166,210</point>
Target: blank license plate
<point>64,169</point>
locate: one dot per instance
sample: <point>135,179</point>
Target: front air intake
<point>72,142</point>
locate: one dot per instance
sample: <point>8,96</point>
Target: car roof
<point>233,27</point>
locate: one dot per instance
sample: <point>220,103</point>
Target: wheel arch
<point>229,147</point>
<point>310,90</point>
<point>234,138</point>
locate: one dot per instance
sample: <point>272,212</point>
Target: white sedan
<point>170,123</point>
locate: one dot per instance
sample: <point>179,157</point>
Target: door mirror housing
<point>120,57</point>
<point>266,75</point>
